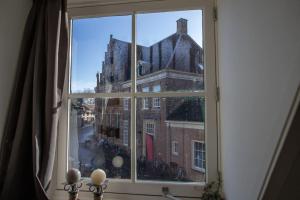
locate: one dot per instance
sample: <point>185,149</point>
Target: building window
<point>145,100</point>
<point>198,156</point>
<point>125,132</point>
<point>117,118</point>
<point>172,99</point>
<point>156,101</point>
<point>156,88</point>
<point>175,146</point>
<point>141,69</point>
<point>126,103</point>
<point>149,127</point>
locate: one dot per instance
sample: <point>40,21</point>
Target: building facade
<point>169,130</point>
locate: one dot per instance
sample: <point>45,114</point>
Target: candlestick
<point>73,183</point>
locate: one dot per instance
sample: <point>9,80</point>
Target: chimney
<point>182,26</point>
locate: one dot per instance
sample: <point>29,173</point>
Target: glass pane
<point>100,136</point>
<point>170,51</point>
<point>179,120</point>
<point>101,54</point>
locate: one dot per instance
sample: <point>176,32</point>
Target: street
<point>89,154</point>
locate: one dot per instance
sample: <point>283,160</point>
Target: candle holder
<point>72,189</point>
<point>73,183</point>
<point>98,190</point>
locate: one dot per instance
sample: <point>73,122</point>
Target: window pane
<point>101,54</point>
<point>156,88</point>
<point>199,155</point>
<point>170,51</point>
<point>100,131</point>
<point>145,89</point>
<point>179,119</point>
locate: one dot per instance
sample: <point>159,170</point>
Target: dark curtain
<point>29,139</point>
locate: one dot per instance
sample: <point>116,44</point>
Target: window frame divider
<point>133,90</point>
<point>138,94</point>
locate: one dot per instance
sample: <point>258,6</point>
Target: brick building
<point>168,129</point>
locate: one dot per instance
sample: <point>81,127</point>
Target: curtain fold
<point>28,145</point>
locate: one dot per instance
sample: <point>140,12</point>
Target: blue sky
<point>90,37</point>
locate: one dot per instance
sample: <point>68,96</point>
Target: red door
<point>149,146</point>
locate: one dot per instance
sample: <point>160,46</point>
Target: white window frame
<point>156,101</point>
<point>147,123</point>
<point>145,102</point>
<point>175,150</point>
<point>133,187</point>
<point>201,169</point>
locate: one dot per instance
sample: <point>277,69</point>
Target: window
<point>117,119</point>
<point>149,127</point>
<point>175,147</point>
<point>156,101</point>
<point>126,103</point>
<point>145,100</point>
<point>198,156</point>
<point>174,44</point>
<point>141,68</point>
<point>125,132</point>
<point>156,88</point>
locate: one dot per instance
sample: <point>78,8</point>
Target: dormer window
<point>140,69</point>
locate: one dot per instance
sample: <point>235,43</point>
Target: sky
<point>90,37</point>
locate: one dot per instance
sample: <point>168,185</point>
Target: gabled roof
<point>174,35</point>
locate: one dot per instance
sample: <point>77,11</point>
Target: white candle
<point>98,176</point>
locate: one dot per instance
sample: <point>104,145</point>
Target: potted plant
<point>212,191</point>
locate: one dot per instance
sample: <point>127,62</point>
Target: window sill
<point>85,195</point>
<point>149,190</point>
<point>199,169</point>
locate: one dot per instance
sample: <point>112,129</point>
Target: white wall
<point>259,57</point>
<point>13,15</point>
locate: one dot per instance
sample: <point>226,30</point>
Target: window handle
<point>166,194</point>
